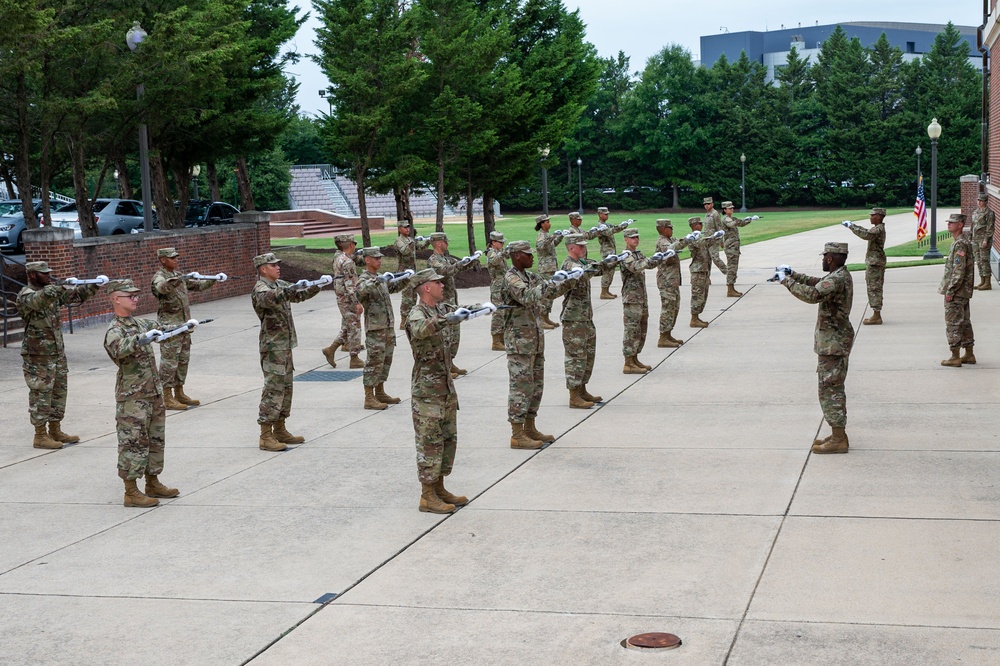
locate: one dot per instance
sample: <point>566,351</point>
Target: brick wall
<point>970,197</point>
<point>228,249</point>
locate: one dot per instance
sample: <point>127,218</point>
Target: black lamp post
<point>133,38</point>
<point>934,132</point>
<point>325,94</point>
<point>579,175</point>
<point>544,152</point>
<point>743,181</point>
<point>919,151</point>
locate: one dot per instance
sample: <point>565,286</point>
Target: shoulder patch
<point>961,253</point>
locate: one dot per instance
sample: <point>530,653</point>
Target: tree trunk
<point>84,208</point>
<point>489,220</point>
<point>676,203</point>
<point>182,181</point>
<point>398,196</point>
<point>359,181</point>
<point>166,212</point>
<point>470,229</point>
<point>8,179</point>
<point>22,162</point>
<point>439,213</point>
<point>213,181</point>
<point>45,179</point>
<point>124,184</point>
<point>243,183</point>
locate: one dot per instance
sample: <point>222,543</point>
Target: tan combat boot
<point>836,443</point>
<point>446,497</point>
<point>666,341</point>
<point>455,370</point>
<point>135,498</point>
<point>954,361</point>
<point>587,396</point>
<point>548,325</point>
<point>520,439</point>
<point>498,343</point>
<point>402,323</point>
<point>731,291</point>
<point>987,284</point>
<point>371,402</point>
<point>531,431</point>
<point>607,295</point>
<point>430,502</point>
<point>968,358</point>
<point>328,352</point>
<point>56,433</point>
<point>696,322</point>
<point>282,435</point>
<point>184,398</point>
<point>170,402</point>
<point>577,401</point>
<point>267,440</point>
<point>356,362</point>
<point>874,320</point>
<point>670,336</point>
<point>631,368</point>
<point>382,396</point>
<point>42,439</point>
<point>156,489</point>
<point>635,359</point>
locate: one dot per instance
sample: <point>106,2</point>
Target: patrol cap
<point>37,267</point>
<point>707,200</point>
<point>168,252</point>
<point>575,239</point>
<point>575,215</point>
<point>835,248</point>
<point>374,252</point>
<point>424,276</point>
<point>878,211</point>
<point>520,246</point>
<point>539,220</point>
<point>266,258</point>
<point>694,220</point>
<point>661,223</point>
<point>603,210</point>
<point>125,285</point>
<point>402,223</point>
<point>984,197</point>
<point>497,236</point>
<point>728,204</point>
<point>956,217</point>
<point>631,233</point>
<point>439,236</point>
<point>344,238</point>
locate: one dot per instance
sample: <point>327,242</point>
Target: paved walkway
<point>688,503</point>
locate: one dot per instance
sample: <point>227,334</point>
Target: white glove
<point>602,227</point>
<point>222,277</point>
<point>191,323</point>
<point>785,268</point>
<point>610,260</point>
<point>693,236</point>
<point>624,255</point>
<point>385,277</point>
<point>575,274</point>
<point>461,314</point>
<point>779,276</point>
<point>595,228</point>
<point>559,276</point>
<point>626,223</point>
<point>407,274</point>
<point>149,336</point>
<point>754,217</point>
<point>420,238</point>
<point>561,232</point>
<point>718,234</point>
<point>847,223</point>
<point>489,306</point>
<point>102,280</point>
<point>667,254</point>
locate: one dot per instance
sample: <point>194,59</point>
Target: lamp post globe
<point>543,154</point>
<point>934,132</point>
<point>743,181</point>
<point>579,174</point>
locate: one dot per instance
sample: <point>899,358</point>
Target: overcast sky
<point>642,28</point>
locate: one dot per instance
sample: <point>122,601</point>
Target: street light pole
<point>133,38</point>
<point>919,151</point>
<point>544,152</point>
<point>325,94</point>
<point>195,172</point>
<point>579,174</point>
<point>934,132</point>
<point>743,181</point>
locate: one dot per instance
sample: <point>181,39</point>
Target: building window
<point>911,47</point>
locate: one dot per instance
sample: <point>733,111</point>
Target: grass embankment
<point>912,249</point>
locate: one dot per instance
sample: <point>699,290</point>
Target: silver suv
<point>12,225</point>
<point>114,216</point>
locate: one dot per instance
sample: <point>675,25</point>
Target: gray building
<point>771,48</point>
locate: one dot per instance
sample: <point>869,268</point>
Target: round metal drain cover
<point>652,641</point>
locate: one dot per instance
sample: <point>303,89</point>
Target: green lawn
<point>522,227</point>
<point>912,249</point>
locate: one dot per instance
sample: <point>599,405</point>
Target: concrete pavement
<point>688,503</point>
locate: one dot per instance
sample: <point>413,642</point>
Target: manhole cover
<point>329,375</point>
<point>652,641</point>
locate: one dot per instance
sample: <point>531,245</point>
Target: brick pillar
<point>263,222</point>
<point>54,246</point>
<point>970,196</point>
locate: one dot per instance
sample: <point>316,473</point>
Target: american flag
<point>920,210</point>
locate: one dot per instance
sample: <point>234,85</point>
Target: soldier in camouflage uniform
<point>701,264</point>
<point>576,228</point>
<point>171,290</point>
<point>579,334</point>
<point>272,299</point>
<point>43,356</point>
<point>406,253</point>
<point>635,304</point>
<point>606,237</point>
<point>731,243</point>
<point>956,287</point>
<point>983,222</point>
<point>713,222</point>
<point>874,261</point>
<point>346,287</point>
<point>833,339</point>
<point>496,265</point>
<point>545,246</point>
<point>434,402</point>
<point>524,339</point>
<point>139,412</point>
<point>448,267</point>
<point>668,281</point>
<point>380,331</point>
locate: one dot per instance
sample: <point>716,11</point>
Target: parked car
<point>113,216</point>
<point>12,224</point>
<point>202,213</point>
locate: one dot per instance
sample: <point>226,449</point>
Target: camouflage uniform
<point>525,339</point>
<point>606,239</point>
<point>434,402</point>
<point>447,266</point>
<point>579,335</point>
<point>380,332</point>
<point>548,264</point>
<point>701,264</point>
<point>347,301</point>
<point>713,222</point>
<point>731,243</point>
<point>874,261</point>
<point>496,265</point>
<point>668,281</point>
<point>272,302</point>
<point>43,355</point>
<point>983,222</point>
<point>959,278</point>
<point>139,412</point>
<point>406,251</point>
<point>635,304</point>
<point>173,309</point>
<point>834,335</point>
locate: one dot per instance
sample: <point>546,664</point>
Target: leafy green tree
<point>302,142</point>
